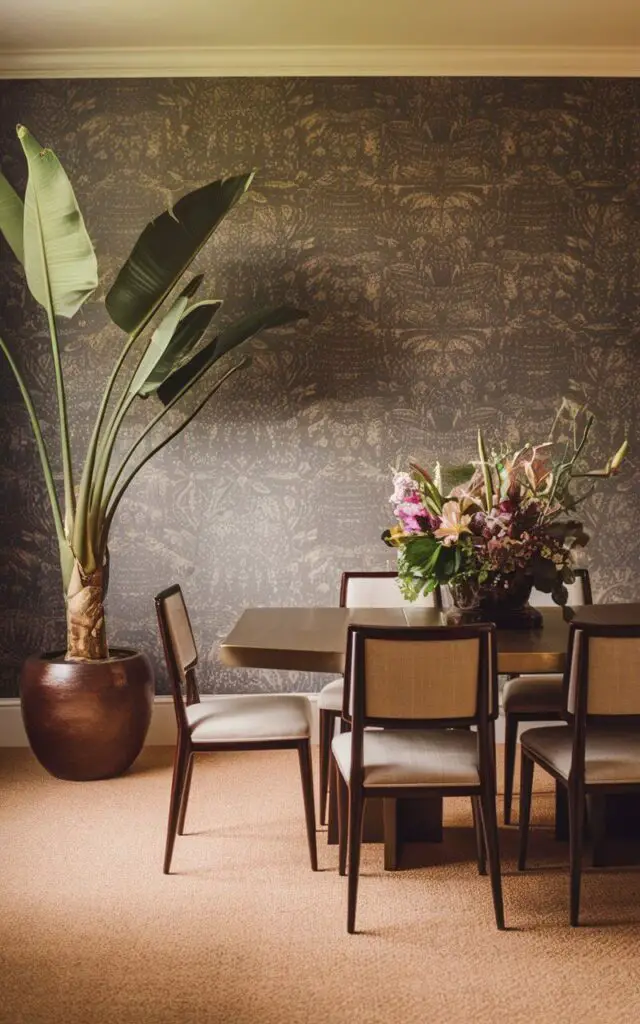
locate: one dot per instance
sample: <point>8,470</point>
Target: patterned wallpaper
<point>468,250</point>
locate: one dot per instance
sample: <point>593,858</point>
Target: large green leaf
<point>166,248</point>
<point>228,339</point>
<point>12,217</point>
<point>161,337</point>
<point>59,260</point>
<point>186,336</point>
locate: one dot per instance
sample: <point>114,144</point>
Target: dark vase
<point>87,719</point>
<point>503,600</point>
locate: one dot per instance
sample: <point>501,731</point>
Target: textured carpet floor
<point>91,932</point>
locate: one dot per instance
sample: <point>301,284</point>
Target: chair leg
<point>510,742</point>
<point>327,725</point>
<point>478,826</point>
<point>306,774</point>
<point>180,763</point>
<point>526,786</point>
<point>185,795</point>
<point>356,807</point>
<point>343,817</point>
<point>490,821</point>
<point>576,827</point>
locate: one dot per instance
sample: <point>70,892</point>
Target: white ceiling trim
<point>324,61</point>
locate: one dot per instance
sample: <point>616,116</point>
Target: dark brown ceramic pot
<point>504,601</point>
<point>87,720</point>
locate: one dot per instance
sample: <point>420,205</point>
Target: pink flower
<point>410,513</point>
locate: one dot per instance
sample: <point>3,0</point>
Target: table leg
<point>597,824</point>
<point>622,815</point>
<point>390,826</point>
<point>332,810</point>
<point>562,813</point>
<point>400,822</point>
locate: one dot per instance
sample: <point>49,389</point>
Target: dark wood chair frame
<point>352,795</point>
<point>513,719</point>
<point>328,718</point>
<point>577,789</point>
<point>186,750</point>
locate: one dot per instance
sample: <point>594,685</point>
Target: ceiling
<point>280,31</point>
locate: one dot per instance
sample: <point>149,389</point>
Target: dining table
<point>314,640</point>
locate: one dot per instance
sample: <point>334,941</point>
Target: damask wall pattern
<point>468,251</point>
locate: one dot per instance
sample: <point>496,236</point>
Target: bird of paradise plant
<point>47,234</point>
<point>508,516</point>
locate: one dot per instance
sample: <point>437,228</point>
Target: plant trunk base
<point>86,634</point>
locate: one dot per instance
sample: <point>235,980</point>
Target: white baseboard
<point>162,731</point>
<point>12,732</point>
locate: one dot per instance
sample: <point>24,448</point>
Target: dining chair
<point>423,688</point>
<point>357,590</point>
<point>235,722</point>
<point>535,698</point>
<point>598,751</point>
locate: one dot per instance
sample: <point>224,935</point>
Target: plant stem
<point>81,527</point>
<point>65,442</point>
<point>485,472</point>
<point>105,449</point>
<point>104,459</point>
<point>42,450</point>
<point>108,519</point>
<point>147,430</point>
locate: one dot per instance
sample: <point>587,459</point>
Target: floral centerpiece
<point>500,525</point>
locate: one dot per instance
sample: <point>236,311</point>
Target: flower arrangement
<point>504,522</point>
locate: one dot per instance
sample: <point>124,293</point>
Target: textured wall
<point>467,248</point>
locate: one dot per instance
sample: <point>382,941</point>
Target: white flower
<point>403,486</point>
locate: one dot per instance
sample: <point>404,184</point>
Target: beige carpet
<point>91,932</point>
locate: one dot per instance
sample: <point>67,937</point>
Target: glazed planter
<point>87,719</point>
<point>504,601</point>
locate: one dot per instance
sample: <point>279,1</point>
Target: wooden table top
<point>313,639</point>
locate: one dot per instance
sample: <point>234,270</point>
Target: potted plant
<point>87,709</point>
<point>495,528</point>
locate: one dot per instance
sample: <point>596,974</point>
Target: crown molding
<point>325,61</point>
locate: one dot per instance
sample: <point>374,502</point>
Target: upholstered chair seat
<point>611,755</point>
<point>404,757</point>
<point>330,696</point>
<point>245,719</point>
<point>532,694</point>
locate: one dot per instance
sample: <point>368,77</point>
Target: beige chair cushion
<point>575,595</point>
<point>236,719</point>
<point>611,755</point>
<point>442,757</point>
<point>533,693</point>
<point>381,592</point>
<point>330,696</point>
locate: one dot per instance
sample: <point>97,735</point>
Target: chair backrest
<point>579,592</point>
<point>421,677</point>
<point>379,590</point>
<point>602,678</point>
<point>179,647</point>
